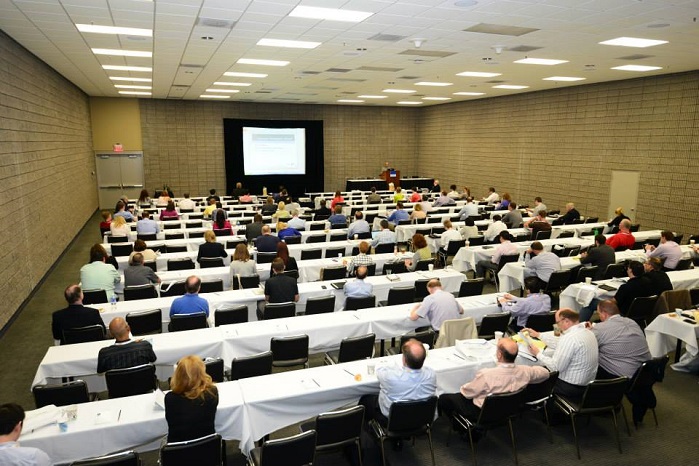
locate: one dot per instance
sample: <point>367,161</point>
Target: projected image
<point>274,151</point>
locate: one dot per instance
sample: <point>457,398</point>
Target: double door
<point>118,174</point>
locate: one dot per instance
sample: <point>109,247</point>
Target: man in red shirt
<point>623,239</point>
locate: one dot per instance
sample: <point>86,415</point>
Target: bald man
<point>125,352</point>
<point>75,315</point>
<point>437,307</point>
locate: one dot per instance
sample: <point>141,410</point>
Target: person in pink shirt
<point>169,212</point>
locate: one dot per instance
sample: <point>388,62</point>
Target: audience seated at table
<point>285,231</point>
<point>504,202</point>
<point>137,274</point>
<point>363,258</point>
<point>139,246</point>
<point>540,264</point>
<point>599,256</point>
<point>443,200</point>
<point>337,218</point>
<point>358,226</point>
<point>210,248</point>
<point>254,229</point>
<point>163,197</point>
<point>146,225</point>
<point>623,239</point>
<point>322,212</point>
<point>295,221</point>
<point>570,217</point>
<point>398,196</point>
<point>513,218</point>
<point>338,199</point>
<point>384,236</point>
<point>470,209</point>
<point>144,197</point>
<point>186,203</point>
<point>538,223</point>
<point>492,197</point>
<point>658,279</point>
<point>398,215</point>
<point>122,211</point>
<point>169,212</point>
<point>281,211</point>
<point>118,227</point>
<point>417,213</point>
<point>415,196</point>
<point>75,315</point>
<point>283,254</point>
<point>538,206</point>
<point>535,302</point>
<point>358,288</point>
<point>98,274</point>
<point>420,251</point>
<point>618,217</point>
<point>269,207</point>
<point>11,453</point>
<point>106,221</point>
<point>279,288</point>
<point>494,229</point>
<point>668,250</point>
<point>208,212</point>
<point>469,230</point>
<point>220,222</point>
<point>125,352</point>
<point>266,242</point>
<point>191,302</point>
<point>241,263</point>
<point>438,306</point>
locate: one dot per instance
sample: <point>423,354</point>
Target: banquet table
<point>664,332</point>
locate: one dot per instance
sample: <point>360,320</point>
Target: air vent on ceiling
<point>186,65</point>
<point>215,22</point>
<point>301,93</point>
<point>495,81</point>
<point>263,92</point>
<point>311,72</point>
<point>180,86</point>
<point>321,88</point>
<point>409,78</point>
<point>500,29</point>
<point>523,48</point>
<point>379,68</point>
<point>386,37</point>
<point>347,80</point>
<point>338,70</point>
<point>637,56</point>
<point>426,53</point>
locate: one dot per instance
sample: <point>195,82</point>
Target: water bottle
<point>113,301</point>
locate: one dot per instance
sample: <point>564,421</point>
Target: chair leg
<point>383,452</point>
<point>616,431</point>
<point>473,447</point>
<point>359,452</point>
<point>655,417</point>
<point>512,437</point>
<point>548,423</point>
<point>575,434</point>
<point>429,440</point>
<point>626,421</point>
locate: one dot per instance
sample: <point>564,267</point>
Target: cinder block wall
<point>563,144</point>
<point>183,140</point>
<point>47,192</point>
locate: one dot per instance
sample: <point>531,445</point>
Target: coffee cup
<point>498,335</point>
<point>430,267</point>
<point>588,280</point>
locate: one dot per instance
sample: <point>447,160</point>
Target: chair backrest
<point>540,235</point>
<point>615,271</point>
<point>454,246</point>
<point>339,428</point>
<point>279,310</point>
<point>61,395</point>
<point>505,258</point>
<point>421,290</point>
<point>117,239</point>
<point>290,350</point>
<point>424,264</point>
<point>94,297</point>
<point>684,264</point>
<point>131,381</point>
<point>83,334</point>
<point>145,322</point>
<point>233,243</point>
<point>151,265</point>
<point>204,451</point>
<point>498,407</point>
<point>181,322</point>
<point>352,304</point>
<point>566,234</point>
<point>180,235</point>
<point>231,315</point>
<point>320,304</point>
<point>211,286</point>
<point>121,250</point>
<point>315,239</point>
<point>558,280</point>
<point>209,262</point>
<point>266,257</point>
<point>214,367</point>
<point>338,226</point>
<point>176,248</point>
<point>252,366</point>
<point>650,372</point>
<point>292,240</point>
<point>307,254</point>
<point>492,323</point>
<point>334,252</point>
<point>180,264</point>
<point>542,322</point>
<point>456,329</point>
<point>333,273</point>
<point>604,394</point>
<point>124,458</point>
<point>246,281</point>
<point>424,336</point>
<point>172,289</point>
<point>584,272</point>
<point>407,418</point>
<point>356,348</point>
<point>473,287</point>
<point>641,309</point>
<point>384,248</point>
<point>537,392</point>
<point>317,226</point>
<point>140,292</point>
<point>401,295</point>
<point>298,450</point>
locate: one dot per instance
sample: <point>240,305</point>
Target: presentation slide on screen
<point>274,151</point>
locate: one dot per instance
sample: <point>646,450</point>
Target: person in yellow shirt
<point>399,196</point>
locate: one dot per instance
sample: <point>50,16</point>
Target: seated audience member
<point>220,222</point>
<point>144,197</point>
<point>443,200</point>
<point>358,288</point>
<point>398,215</point>
<point>668,250</point>
<point>238,190</point>
<point>623,239</point>
<point>283,254</point>
<point>279,288</point>
<point>435,187</point>
<point>285,231</point>
<point>11,453</point>
<point>98,274</point>
<point>438,306</point>
<point>470,209</point>
<point>122,211</point>
<point>138,274</point>
<point>513,218</point>
<point>469,230</point>
<point>453,193</point>
<point>295,222</point>
<point>408,381</point>
<point>426,205</point>
<point>637,286</point>
<point>191,302</point>
<point>241,263</point>
<point>504,202</point>
<point>492,197</point>
<point>210,209</point>
<point>540,264</point>
<point>245,199</point>
<point>373,198</point>
<point>417,213</point>
<point>599,256</point>
<point>254,229</point>
<point>358,226</point>
<point>213,195</point>
<point>147,226</point>
<point>186,203</point>
<point>465,192</point>
<point>398,196</point>
<point>322,213</point>
<point>169,212</point>
<point>106,221</point>
<point>118,227</point>
<point>415,196</point>
<point>384,236</point>
<point>75,315</point>
<point>538,207</point>
<point>163,197</point>
<point>450,234</point>
<point>210,248</point>
<point>266,242</point>
<point>506,247</point>
<point>338,199</point>
<point>125,352</point>
<point>494,229</point>
<point>338,218</point>
<point>538,223</point>
<point>269,207</point>
<point>571,216</point>
<point>362,258</point>
<point>190,405</point>
<point>618,217</point>
<point>658,279</point>
<point>420,252</point>
<point>139,246</point>
<point>536,302</point>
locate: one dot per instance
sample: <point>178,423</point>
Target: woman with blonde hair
<point>618,217</point>
<point>284,231</point>
<point>210,248</point>
<point>281,211</point>
<point>241,264</point>
<point>118,227</point>
<point>418,212</point>
<point>190,406</point>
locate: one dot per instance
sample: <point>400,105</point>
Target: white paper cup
<point>498,335</point>
<point>371,368</point>
<point>430,267</point>
<point>467,244</point>
<point>588,280</point>
<point>691,242</point>
<point>356,236</point>
<point>339,255</point>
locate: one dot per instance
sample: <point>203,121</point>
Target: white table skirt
<point>662,335</point>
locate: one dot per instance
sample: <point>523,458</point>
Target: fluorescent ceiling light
<point>145,69</point>
<point>478,74</point>
<point>240,74</point>
<point>123,53</point>
<point>509,86</point>
<point>399,91</point>
<point>469,93</point>
<point>633,42</point>
<point>372,96</point>
<point>330,14</point>
<point>540,61</point>
<point>408,102</point>
<point>123,86</point>
<point>134,93</point>
<point>228,91</point>
<point>114,30</point>
<point>636,68</point>
<point>292,44</point>
<point>124,78</point>
<point>350,101</point>
<point>436,98</point>
<point>435,84</point>
<point>210,96</point>
<point>255,61</point>
<point>563,78</point>
<point>226,83</point>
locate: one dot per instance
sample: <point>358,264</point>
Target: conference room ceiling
<point>401,44</point>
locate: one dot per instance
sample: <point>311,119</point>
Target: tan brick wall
<point>563,144</point>
<point>183,141</point>
<point>47,192</point>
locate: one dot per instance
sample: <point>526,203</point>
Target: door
<point>623,193</point>
<point>118,174</point>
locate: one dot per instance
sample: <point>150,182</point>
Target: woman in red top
<point>221,223</point>
<point>337,199</point>
<point>415,197</point>
<point>169,212</point>
<point>107,220</point>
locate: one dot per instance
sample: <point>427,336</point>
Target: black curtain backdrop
<point>312,181</point>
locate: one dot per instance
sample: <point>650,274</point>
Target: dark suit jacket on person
<point>74,316</point>
<point>125,355</point>
<point>636,287</point>
<point>266,243</point>
<point>600,256</point>
<point>567,218</point>
<point>211,250</point>
<point>659,282</point>
<point>281,289</point>
<point>253,230</point>
<point>190,419</point>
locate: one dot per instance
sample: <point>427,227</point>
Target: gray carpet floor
<point>25,341</point>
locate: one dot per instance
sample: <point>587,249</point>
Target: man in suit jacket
<point>601,256</point>
<point>513,218</point>
<point>254,229</point>
<point>75,315</point>
<point>125,352</point>
<point>638,286</point>
<point>571,215</point>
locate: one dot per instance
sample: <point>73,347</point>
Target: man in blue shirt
<point>11,422</point>
<point>266,242</point>
<point>147,226</point>
<point>398,215</point>
<point>190,303</point>
<point>358,226</point>
<point>338,217</point>
<point>359,288</point>
<point>384,236</point>
<point>122,212</point>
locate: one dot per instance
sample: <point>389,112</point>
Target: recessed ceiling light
<point>509,86</point>
<point>372,96</point>
<point>408,102</point>
<point>128,86</point>
<point>633,42</point>
<point>134,93</point>
<point>436,98</point>
<point>399,91</point>
<point>210,96</point>
<point>330,14</point>
<point>114,30</point>
<point>563,78</point>
<point>435,84</point>
<point>478,74</point>
<point>125,78</point>
<point>226,83</point>
<point>145,69</point>
<point>227,91</point>
<point>255,61</point>
<point>540,61</point>
<point>123,53</point>
<point>240,74</point>
<point>350,101</point>
<point>469,93</point>
<point>293,44</point>
<point>465,3</point>
<point>206,38</point>
<point>637,68</point>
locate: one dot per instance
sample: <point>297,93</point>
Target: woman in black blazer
<point>210,248</point>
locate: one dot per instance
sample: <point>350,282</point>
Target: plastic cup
<point>498,335</point>
<point>556,330</point>
<point>430,267</point>
<point>356,237</point>
<point>371,368</point>
<point>691,242</point>
<point>467,244</point>
<point>339,256</point>
<point>588,280</point>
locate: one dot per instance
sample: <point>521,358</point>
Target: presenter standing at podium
<point>384,169</point>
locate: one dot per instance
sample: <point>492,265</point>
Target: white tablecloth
<point>662,335</point>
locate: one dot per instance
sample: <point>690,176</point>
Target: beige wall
<point>47,191</point>
<point>115,120</point>
<point>563,145</point>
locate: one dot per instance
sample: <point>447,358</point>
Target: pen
<point>119,416</point>
<point>348,372</point>
<point>314,381</point>
<point>457,355</point>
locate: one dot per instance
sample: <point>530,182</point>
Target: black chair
<point>131,381</point>
<point>497,410</point>
<point>384,248</point>
<point>222,232</point>
<point>176,248</point>
<point>642,310</point>
<point>317,226</point>
<point>204,451</point>
<point>278,311</point>
<point>171,236</point>
<point>298,450</point>
<point>83,334</point>
<point>124,458</point>
<point>132,293</point>
<point>353,304</point>
<point>421,291</point>
<point>315,239</point>
<point>407,419</point>
<point>145,322</point>
<point>492,323</point>
<point>364,235</point>
<point>333,273</point>
<point>333,252</point>
<point>399,295</point>
<point>615,271</point>
<point>320,305</point>
<point>180,264</point>
<point>338,236</point>
<point>171,226</point>
<point>504,259</point>
<point>172,289</point>
<point>214,367</point>
<point>94,297</point>
<point>537,396</point>
<point>147,236</point>
<point>557,282</point>
<point>452,248</point>
<point>209,262</point>
<point>694,294</point>
<point>151,265</point>
<point>542,322</point>
<point>307,254</point>
<point>122,250</point>
<point>117,239</point>
<point>289,351</point>
<point>424,265</point>
<point>233,243</point>
<point>182,322</point>
<point>192,224</point>
<point>542,235</point>
<point>601,396</point>
<point>684,264</point>
<point>566,234</point>
<point>338,429</point>
<point>65,394</point>
<point>423,336</point>
<point>246,281</point>
<point>338,226</point>
<point>266,257</point>
<point>251,366</point>
<point>640,389</point>
<point>231,315</point>
<point>585,272</point>
<point>472,287</point>
<point>211,286</point>
<point>292,240</point>
<point>352,349</point>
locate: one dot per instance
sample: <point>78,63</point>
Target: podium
<point>391,176</point>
